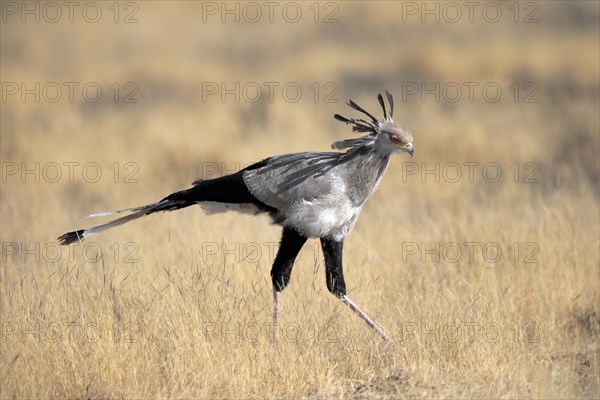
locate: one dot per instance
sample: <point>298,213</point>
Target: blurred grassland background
<point>178,305</point>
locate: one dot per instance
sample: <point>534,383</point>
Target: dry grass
<point>160,316</point>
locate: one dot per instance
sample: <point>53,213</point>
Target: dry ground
<point>489,286</point>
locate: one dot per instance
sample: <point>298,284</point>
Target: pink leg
<point>276,311</point>
<point>365,317</point>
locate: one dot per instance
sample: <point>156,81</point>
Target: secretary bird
<point>311,195</point>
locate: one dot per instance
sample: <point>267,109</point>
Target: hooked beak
<point>410,150</point>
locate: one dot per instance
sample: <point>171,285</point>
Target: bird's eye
<point>396,139</point>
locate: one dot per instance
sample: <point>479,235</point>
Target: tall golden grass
<point>179,305</point>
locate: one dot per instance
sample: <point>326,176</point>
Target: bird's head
<point>385,135</point>
<point>395,138</point>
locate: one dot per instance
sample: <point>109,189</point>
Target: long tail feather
<point>79,235</point>
<point>113,212</point>
<point>230,190</point>
<point>172,202</point>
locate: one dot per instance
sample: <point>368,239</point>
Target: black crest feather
<point>391,101</point>
<point>362,110</point>
<point>360,125</point>
<point>382,104</point>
